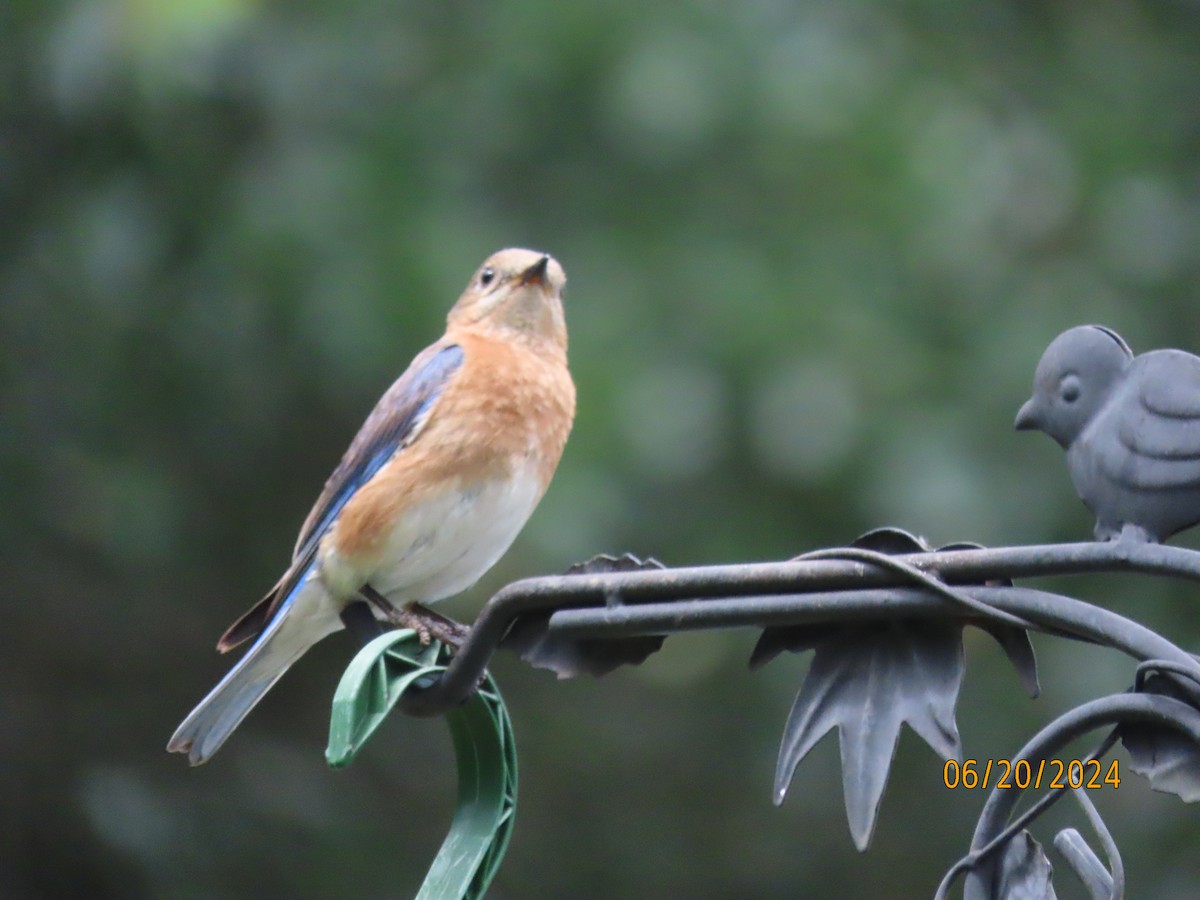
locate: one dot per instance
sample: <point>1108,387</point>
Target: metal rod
<point>785,592</point>
<point>1048,611</point>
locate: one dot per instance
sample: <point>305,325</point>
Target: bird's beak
<point>536,274</point>
<point>1027,417</point>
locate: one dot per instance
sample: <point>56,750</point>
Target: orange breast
<point>508,409</point>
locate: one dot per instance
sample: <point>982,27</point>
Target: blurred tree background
<point>815,250</point>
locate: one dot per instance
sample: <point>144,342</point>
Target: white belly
<point>443,545</point>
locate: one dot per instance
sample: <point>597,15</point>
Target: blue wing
<point>391,426</point>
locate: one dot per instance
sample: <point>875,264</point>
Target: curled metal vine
<point>886,606</point>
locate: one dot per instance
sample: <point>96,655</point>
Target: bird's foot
<point>429,625</point>
<point>1128,533</point>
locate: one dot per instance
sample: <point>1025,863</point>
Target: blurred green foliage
<point>815,250</point>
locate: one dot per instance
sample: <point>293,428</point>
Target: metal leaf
<point>1165,757</point>
<point>867,682</point>
<point>889,539</point>
<point>1013,641</point>
<point>1086,864</point>
<point>792,638</point>
<point>1017,647</point>
<point>798,638</point>
<point>1024,872</point>
<point>529,636</point>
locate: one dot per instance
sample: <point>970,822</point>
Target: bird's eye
<point>1069,389</point>
<point>487,276</point>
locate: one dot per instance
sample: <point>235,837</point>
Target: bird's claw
<point>429,625</point>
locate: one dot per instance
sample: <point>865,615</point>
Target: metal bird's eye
<point>1069,389</point>
<point>487,276</point>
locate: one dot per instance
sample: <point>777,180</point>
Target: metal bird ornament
<point>1130,426</point>
<point>436,485</point>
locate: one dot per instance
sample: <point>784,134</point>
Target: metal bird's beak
<point>1027,417</point>
<point>536,274</point>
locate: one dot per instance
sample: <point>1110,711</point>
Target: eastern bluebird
<point>433,489</point>
<point>1130,426</point>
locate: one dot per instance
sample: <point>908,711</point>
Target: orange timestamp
<point>1055,774</point>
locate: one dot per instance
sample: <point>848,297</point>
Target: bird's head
<point>1073,379</point>
<point>517,292</point>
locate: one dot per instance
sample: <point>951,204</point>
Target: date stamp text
<point>1054,774</point>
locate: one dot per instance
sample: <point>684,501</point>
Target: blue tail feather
<point>305,617</point>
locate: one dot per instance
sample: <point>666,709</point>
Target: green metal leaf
<point>483,745</point>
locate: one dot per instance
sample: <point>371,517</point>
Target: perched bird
<point>1130,426</point>
<point>433,489</point>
